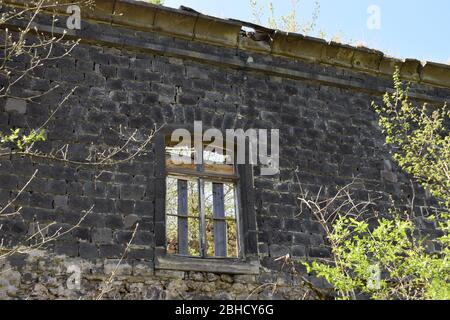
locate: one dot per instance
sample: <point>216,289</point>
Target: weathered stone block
<point>217,31</point>
<point>411,70</point>
<point>111,251</point>
<point>298,46</point>
<point>60,202</point>
<point>88,250</point>
<point>247,43</point>
<point>338,54</point>
<point>389,176</point>
<point>119,268</point>
<point>69,248</point>
<point>434,73</point>
<point>367,59</point>
<point>174,22</point>
<point>135,15</point>
<point>102,235</point>
<point>16,105</point>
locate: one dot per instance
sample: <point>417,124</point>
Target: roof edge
<point>192,25</point>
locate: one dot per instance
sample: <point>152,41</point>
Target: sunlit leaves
<point>409,270</point>
<point>420,140</point>
<point>419,137</point>
<point>20,140</point>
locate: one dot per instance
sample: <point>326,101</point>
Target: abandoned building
<point>139,67</point>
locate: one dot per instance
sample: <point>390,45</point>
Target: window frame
<point>203,218</point>
<point>247,261</point>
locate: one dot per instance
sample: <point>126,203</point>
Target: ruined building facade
<point>140,66</point>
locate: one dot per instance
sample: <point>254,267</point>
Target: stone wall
<point>131,78</point>
<point>40,275</point>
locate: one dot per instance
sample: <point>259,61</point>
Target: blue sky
<point>409,28</point>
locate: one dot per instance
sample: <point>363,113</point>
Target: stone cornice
<point>195,26</point>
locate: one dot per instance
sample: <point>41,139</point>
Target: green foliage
<point>408,270</point>
<point>420,142</point>
<point>420,139</point>
<point>158,2</point>
<point>289,22</point>
<point>20,140</point>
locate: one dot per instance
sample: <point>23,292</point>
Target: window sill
<point>225,266</point>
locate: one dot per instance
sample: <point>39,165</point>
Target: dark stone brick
<point>111,251</point>
<point>17,260</point>
<point>102,235</point>
<point>277,251</point>
<point>95,189</point>
<point>82,233</point>
<point>150,98</point>
<point>293,225</point>
<point>143,238</point>
<point>299,251</point>
<point>131,192</point>
<point>140,254</point>
<point>114,221</point>
<point>88,250</point>
<point>114,84</point>
<point>302,238</point>
<point>125,206</point>
<point>8,182</point>
<point>74,188</point>
<point>123,237</point>
<point>144,209</point>
<point>104,205</point>
<point>56,187</point>
<point>94,220</point>
<point>4,195</point>
<point>108,71</point>
<point>319,252</point>
<point>41,201</point>
<point>80,203</point>
<point>68,248</point>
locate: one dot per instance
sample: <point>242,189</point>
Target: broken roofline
<point>189,24</point>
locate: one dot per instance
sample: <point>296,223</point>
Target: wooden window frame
<point>247,261</point>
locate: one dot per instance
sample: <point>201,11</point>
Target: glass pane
<point>171,209</point>
<point>172,234</point>
<point>210,237</point>
<point>171,195</point>
<point>209,213</point>
<point>208,199</point>
<point>193,209</point>
<point>229,199</point>
<point>230,213</point>
<point>232,247</point>
<point>194,221</point>
<point>194,236</point>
